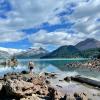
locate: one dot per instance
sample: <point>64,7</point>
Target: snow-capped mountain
<point>32,53</point>
<point>10,51</point>
<point>4,54</point>
<point>20,53</point>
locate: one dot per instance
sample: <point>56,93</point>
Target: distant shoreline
<point>59,59</point>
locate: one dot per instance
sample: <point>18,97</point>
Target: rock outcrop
<point>18,88</point>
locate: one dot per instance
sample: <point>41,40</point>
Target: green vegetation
<point>94,53</point>
<point>64,52</point>
<point>73,52</point>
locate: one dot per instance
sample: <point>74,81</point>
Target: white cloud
<point>28,13</point>
<point>11,36</point>
<point>85,17</point>
<point>85,26</point>
<point>44,38</point>
<point>87,9</point>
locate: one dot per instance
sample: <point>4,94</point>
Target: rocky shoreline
<point>93,64</point>
<point>18,86</point>
<point>26,86</point>
<point>51,86</point>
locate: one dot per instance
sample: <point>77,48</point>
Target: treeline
<point>91,53</point>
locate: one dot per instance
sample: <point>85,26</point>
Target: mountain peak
<point>89,43</point>
<point>32,52</point>
<point>90,39</point>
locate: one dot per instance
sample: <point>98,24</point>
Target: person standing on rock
<point>31,66</point>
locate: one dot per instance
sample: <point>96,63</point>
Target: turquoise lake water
<point>51,65</point>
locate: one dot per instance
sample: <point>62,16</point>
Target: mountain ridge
<point>20,53</point>
<point>64,52</point>
<point>86,48</point>
<point>88,43</point>
<point>32,53</point>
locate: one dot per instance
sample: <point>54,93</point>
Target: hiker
<point>31,66</point>
<point>8,62</point>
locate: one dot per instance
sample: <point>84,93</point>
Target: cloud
<point>85,26</point>
<point>85,17</point>
<point>44,38</point>
<point>26,14</point>
<point>29,13</point>
<point>87,9</point>
<point>11,36</point>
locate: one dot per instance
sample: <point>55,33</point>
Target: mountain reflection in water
<point>56,65</point>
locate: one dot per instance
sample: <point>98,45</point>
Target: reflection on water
<point>54,65</point>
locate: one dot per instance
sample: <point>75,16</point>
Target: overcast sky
<point>48,23</point>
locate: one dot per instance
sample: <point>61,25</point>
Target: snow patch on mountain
<point>11,51</point>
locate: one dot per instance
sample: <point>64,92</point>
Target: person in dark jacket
<point>31,66</point>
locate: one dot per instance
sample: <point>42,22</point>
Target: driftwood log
<point>86,80</point>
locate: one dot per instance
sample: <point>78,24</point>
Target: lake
<point>51,65</point>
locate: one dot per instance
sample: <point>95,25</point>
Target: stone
<point>59,86</point>
<point>80,96</point>
<point>84,96</point>
<point>33,97</point>
<point>24,72</point>
<point>18,88</point>
<point>68,79</point>
<point>76,94</point>
<point>50,75</point>
<point>47,82</point>
<point>54,94</point>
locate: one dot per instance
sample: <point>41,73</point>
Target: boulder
<point>18,88</point>
<point>68,79</point>
<point>50,75</point>
<point>81,96</point>
<point>54,94</point>
<point>24,72</point>
<point>84,96</point>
